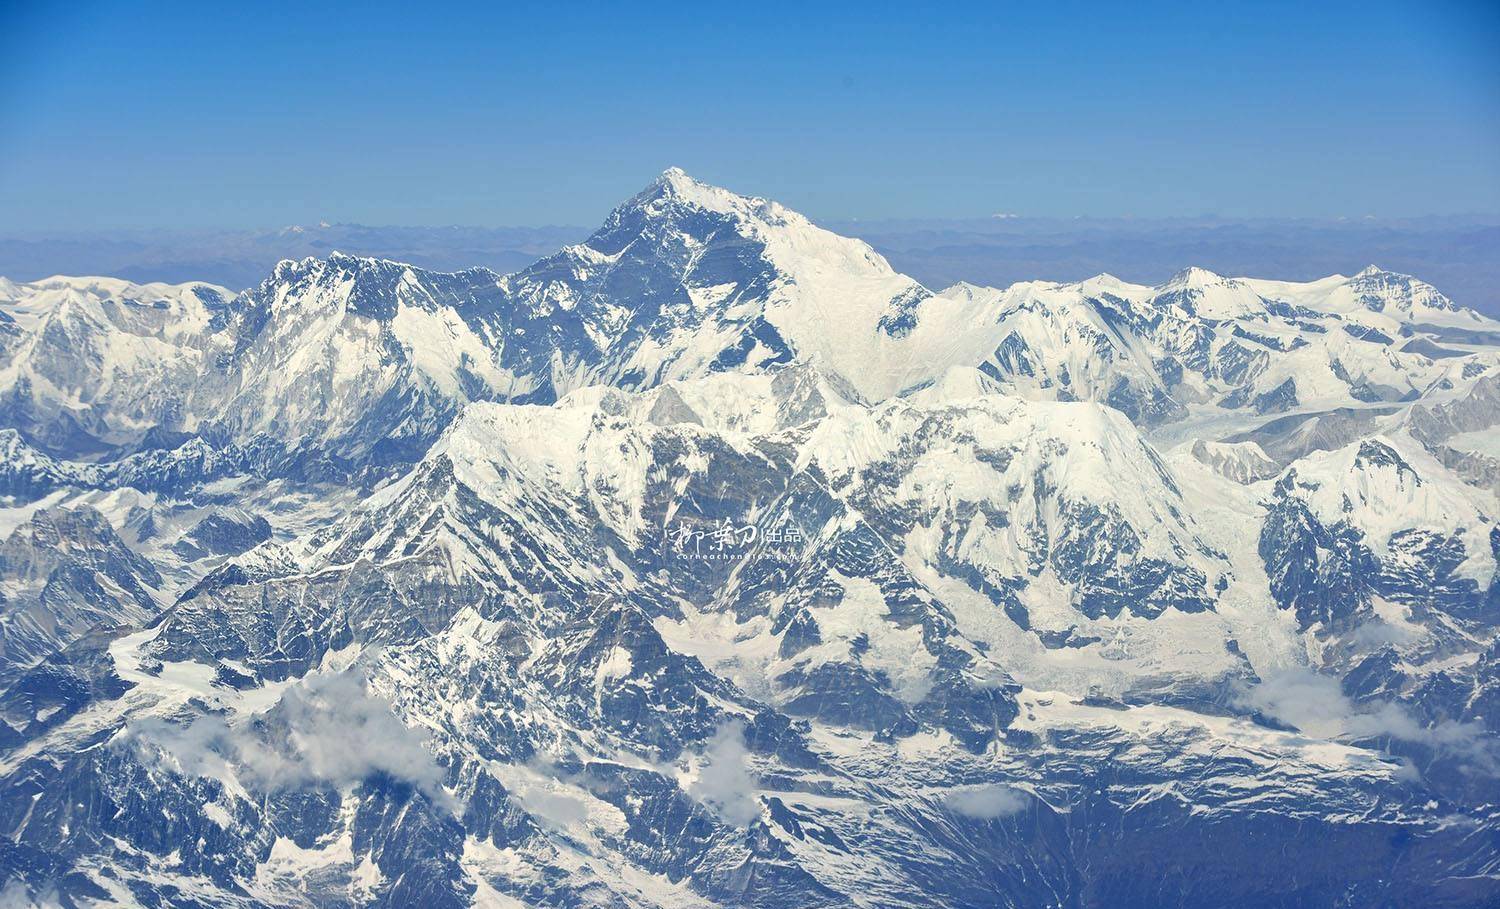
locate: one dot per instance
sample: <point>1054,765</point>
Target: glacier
<point>712,561</point>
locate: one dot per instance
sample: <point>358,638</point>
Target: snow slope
<point>712,562</point>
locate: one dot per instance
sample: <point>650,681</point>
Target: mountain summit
<point>682,280</point>
<point>713,562</point>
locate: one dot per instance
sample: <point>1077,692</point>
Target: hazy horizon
<point>1460,255</point>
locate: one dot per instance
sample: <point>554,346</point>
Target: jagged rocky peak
<point>53,535</point>
<point>685,279</point>
<point>1198,292</point>
<point>1242,462</point>
<point>370,287</point>
<point>676,201</point>
<point>334,266</point>
<point>1402,295</point>
<point>675,188</point>
<point>66,571</point>
<point>684,547</point>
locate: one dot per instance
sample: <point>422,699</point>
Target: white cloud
<point>723,781</point>
<point>1315,704</point>
<point>15,895</point>
<point>325,729</point>
<point>556,808</point>
<point>1376,633</point>
<point>986,801</point>
<point>557,800</point>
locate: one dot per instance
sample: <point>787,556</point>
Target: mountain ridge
<point>894,334</point>
<point>713,562</point>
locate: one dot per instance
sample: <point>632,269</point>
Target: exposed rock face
<point>67,571</point>
<point>713,562</point>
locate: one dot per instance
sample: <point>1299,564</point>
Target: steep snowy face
<point>1214,345</point>
<point>1380,523</point>
<point>66,571</point>
<point>672,634</point>
<point>1198,292</point>
<point>350,354</point>
<point>171,312</point>
<point>86,363</point>
<point>1048,532</point>
<point>1078,342</point>
<point>358,357</point>
<point>1378,296</point>
<point>1401,296</point>
<point>686,279</point>
<point>1388,562</point>
<point>1005,491</point>
<point>711,562</point>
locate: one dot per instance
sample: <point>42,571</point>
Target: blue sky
<point>214,115</point>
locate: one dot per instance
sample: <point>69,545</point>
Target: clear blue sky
<point>237,115</point>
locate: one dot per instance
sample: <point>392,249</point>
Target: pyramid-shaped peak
<point>334,263</point>
<point>1194,277</point>
<point>676,183</point>
<point>675,188</point>
<point>1372,275</point>
<point>675,177</point>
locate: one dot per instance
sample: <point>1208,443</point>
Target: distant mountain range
<point>1458,254</point>
<point>713,560</point>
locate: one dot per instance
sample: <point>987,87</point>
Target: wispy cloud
<point>328,729</point>
<point>723,780</point>
<point>1315,704</point>
<point>16,895</point>
<point>986,801</point>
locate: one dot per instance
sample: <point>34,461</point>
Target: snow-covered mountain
<point>367,360</point>
<point>713,562</point>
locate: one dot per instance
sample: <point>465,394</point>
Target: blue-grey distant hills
<point>1459,254</point>
<point>713,559</point>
